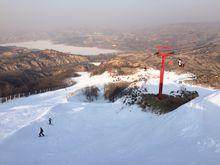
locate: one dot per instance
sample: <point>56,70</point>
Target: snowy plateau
<point>103,133</point>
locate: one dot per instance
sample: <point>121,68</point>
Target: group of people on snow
<point>41,133</point>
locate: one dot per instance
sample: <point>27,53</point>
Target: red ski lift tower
<point>163,51</point>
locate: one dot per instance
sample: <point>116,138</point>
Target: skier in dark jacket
<point>50,121</point>
<point>41,132</point>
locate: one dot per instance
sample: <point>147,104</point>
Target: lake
<point>46,44</point>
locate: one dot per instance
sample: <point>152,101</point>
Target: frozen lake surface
<point>46,44</point>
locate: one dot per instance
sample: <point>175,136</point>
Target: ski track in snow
<point>103,133</point>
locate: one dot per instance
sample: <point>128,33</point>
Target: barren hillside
<point>24,70</point>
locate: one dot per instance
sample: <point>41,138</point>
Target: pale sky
<point>49,14</point>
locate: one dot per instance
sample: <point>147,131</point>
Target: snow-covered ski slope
<point>102,133</point>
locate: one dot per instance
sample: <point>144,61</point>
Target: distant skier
<point>41,132</point>
<point>50,121</point>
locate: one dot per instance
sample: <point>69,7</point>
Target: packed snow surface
<point>103,133</point>
<point>45,44</point>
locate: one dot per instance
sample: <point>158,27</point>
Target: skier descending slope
<point>50,121</point>
<point>41,132</point>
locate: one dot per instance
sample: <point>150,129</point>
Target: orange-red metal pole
<point>162,51</point>
<point>161,76</point>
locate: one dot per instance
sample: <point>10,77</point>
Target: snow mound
<point>100,133</point>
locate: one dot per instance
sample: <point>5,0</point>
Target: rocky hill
<point>24,70</point>
<point>198,45</point>
<point>181,36</point>
<point>203,61</point>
